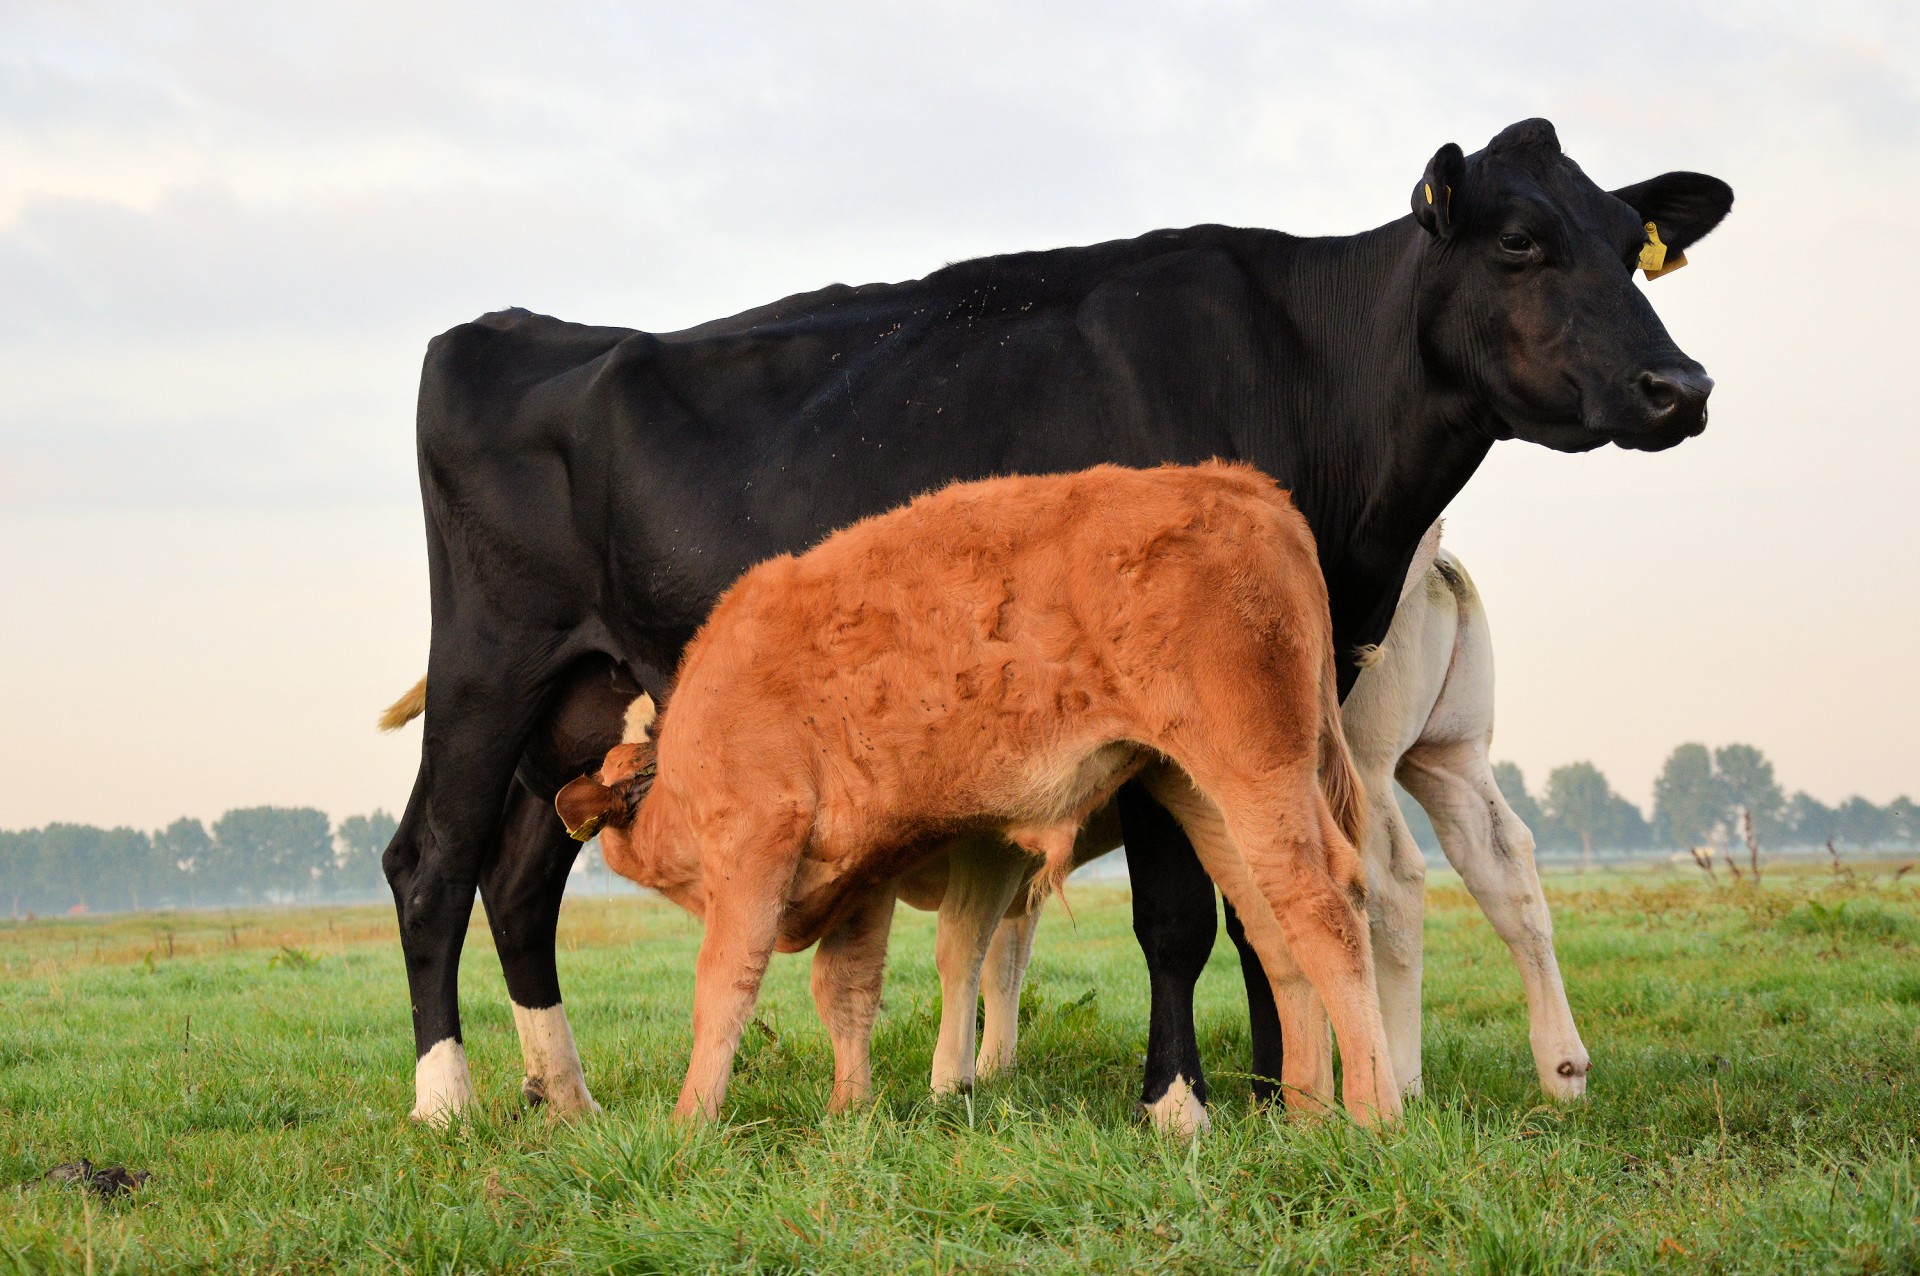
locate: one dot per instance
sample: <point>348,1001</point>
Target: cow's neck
<point>1373,442</point>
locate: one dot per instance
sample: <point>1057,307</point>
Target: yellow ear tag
<point>1429,187</point>
<point>1655,260</point>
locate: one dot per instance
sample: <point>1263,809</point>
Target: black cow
<point>589,492</point>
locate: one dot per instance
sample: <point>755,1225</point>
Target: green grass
<point>1755,1106</point>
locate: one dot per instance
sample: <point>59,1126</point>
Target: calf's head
<point>609,799</point>
<point>1528,303</point>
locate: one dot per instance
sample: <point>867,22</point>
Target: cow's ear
<point>1433,196</point>
<point>584,805</point>
<point>1682,206</point>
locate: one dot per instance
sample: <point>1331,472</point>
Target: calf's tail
<point>1339,778</point>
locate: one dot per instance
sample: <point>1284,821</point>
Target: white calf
<point>1421,711</point>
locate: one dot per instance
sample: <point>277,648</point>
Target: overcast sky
<point>228,231</point>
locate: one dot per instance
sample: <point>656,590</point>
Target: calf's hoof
<point>1566,1081</point>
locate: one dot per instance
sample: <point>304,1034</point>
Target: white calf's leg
<point>1493,852</point>
<point>849,965</point>
<point>553,1077</point>
<point>1000,979</point>
<point>982,877</point>
<point>1396,914</point>
<point>441,1084</point>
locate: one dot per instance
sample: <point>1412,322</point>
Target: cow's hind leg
<point>1001,976</point>
<point>982,876</point>
<point>473,738</point>
<point>522,890</point>
<point>848,968</point>
<point>1173,919</point>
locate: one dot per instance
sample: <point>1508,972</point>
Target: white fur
<point>553,1061</point>
<point>1424,713</point>
<point>441,1084</point>
<point>639,720</point>
<point>1179,1111</point>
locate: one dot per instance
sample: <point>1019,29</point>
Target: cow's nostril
<point>1660,393</point>
<point>1670,388</point>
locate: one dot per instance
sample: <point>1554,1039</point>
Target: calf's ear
<point>1433,195</point>
<point>584,805</point>
<point>1682,206</point>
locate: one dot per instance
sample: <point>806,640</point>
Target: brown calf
<point>995,660</point>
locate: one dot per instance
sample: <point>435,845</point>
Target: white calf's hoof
<point>1566,1081</point>
<point>1178,1111</point>
<point>441,1085</point>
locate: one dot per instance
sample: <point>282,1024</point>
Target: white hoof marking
<point>553,1061</point>
<point>1179,1111</point>
<point>441,1085</point>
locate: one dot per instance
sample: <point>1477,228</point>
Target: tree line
<point>1702,797</point>
<point>254,855</point>
<point>280,855</point>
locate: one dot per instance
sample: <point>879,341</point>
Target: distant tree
<point>273,850</point>
<point>359,843</point>
<point>1580,800</point>
<point>1861,822</point>
<point>1513,787</point>
<point>186,845</point>
<point>1687,798</point>
<point>1747,786</point>
<point>18,856</point>
<point>1809,821</point>
<point>1903,820</point>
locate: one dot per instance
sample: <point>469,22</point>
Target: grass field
<point>1755,1106</point>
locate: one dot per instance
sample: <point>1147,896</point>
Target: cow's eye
<point>1516,243</point>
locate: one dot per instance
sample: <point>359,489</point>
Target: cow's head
<point>1528,299</point>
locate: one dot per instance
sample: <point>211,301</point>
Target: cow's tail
<point>1339,778</point>
<point>406,708</point>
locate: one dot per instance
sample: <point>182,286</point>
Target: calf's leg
<point>748,878</point>
<point>848,967</point>
<point>1306,1074</point>
<point>1396,914</point>
<point>1001,976</point>
<point>982,876</point>
<point>1492,849</point>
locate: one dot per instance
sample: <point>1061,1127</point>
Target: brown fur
<point>406,708</point>
<point>998,658</point>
